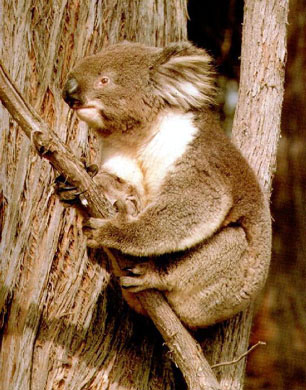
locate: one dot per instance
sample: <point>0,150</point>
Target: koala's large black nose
<point>71,93</point>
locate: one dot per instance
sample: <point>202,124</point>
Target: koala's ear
<point>182,75</point>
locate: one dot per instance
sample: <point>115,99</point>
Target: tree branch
<point>187,354</point>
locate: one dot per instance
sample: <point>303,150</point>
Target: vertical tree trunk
<point>256,131</point>
<point>283,366</point>
<point>256,127</point>
<point>63,322</point>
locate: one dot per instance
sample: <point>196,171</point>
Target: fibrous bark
<point>256,131</point>
<point>64,324</point>
<point>282,364</point>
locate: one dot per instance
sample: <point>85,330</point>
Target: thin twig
<point>235,361</point>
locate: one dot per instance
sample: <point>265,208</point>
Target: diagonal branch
<point>187,354</point>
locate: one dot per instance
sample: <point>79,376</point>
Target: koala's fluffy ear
<point>182,75</point>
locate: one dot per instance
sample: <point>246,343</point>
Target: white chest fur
<point>147,167</point>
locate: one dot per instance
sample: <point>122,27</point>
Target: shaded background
<point>281,317</point>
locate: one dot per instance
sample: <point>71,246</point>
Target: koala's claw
<point>133,271</point>
<point>131,287</point>
<point>138,278</point>
<point>129,283</point>
<point>92,169</point>
<point>142,276</point>
<point>67,193</point>
<point>91,228</point>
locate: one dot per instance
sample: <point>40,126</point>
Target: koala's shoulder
<point>226,161</point>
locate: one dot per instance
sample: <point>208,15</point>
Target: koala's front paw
<point>66,192</point>
<point>142,276</point>
<point>92,228</point>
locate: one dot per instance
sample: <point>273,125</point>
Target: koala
<point>201,232</point>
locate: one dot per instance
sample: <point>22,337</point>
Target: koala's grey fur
<point>202,234</point>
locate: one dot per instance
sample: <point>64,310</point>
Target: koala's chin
<point>91,114</point>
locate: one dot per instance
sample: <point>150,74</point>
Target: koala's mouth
<point>86,110</point>
<point>78,108</point>
<point>90,114</point>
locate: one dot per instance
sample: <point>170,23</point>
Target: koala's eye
<point>103,81</point>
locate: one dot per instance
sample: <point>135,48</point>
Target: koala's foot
<point>66,192</point>
<point>121,194</point>
<point>93,230</point>
<point>143,276</point>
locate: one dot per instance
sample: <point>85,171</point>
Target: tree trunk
<point>256,131</point>
<point>63,324</point>
<point>283,363</point>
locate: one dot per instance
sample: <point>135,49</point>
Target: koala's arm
<point>189,209</point>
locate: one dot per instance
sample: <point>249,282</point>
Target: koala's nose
<point>71,85</point>
<point>70,93</point>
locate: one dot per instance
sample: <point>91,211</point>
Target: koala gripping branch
<point>186,353</point>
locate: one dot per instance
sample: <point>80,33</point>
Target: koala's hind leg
<point>203,284</point>
<point>176,271</point>
<point>212,282</point>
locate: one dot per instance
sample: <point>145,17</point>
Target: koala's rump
<point>212,283</point>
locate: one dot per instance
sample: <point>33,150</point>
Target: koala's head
<point>128,84</point>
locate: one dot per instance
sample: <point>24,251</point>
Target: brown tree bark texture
<point>256,132</point>
<point>282,365</point>
<point>256,127</point>
<point>63,325</point>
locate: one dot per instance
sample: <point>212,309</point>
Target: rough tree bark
<point>59,326</point>
<point>64,325</point>
<point>256,127</point>
<point>256,131</point>
<point>282,366</point>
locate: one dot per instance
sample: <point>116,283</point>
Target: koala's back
<point>250,207</point>
<point>222,274</point>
